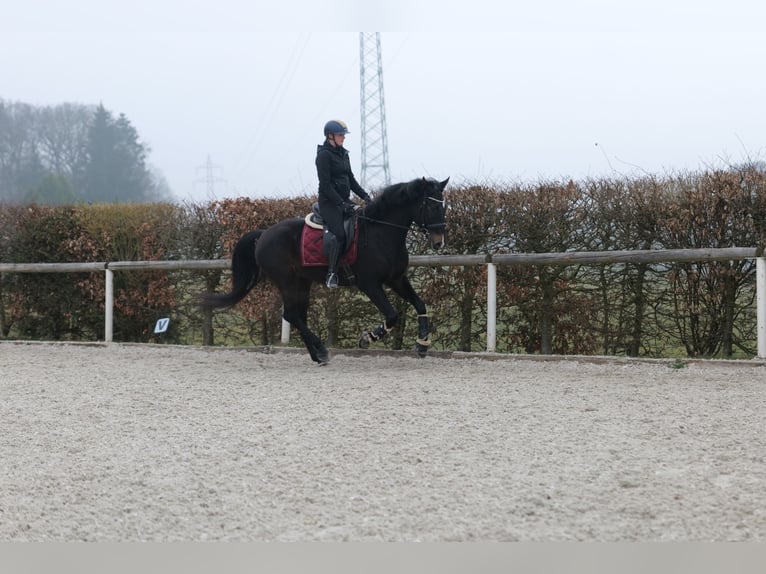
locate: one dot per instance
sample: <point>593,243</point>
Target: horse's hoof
<point>365,340</point>
<point>323,358</point>
<point>421,350</point>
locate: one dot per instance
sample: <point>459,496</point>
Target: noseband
<point>425,226</point>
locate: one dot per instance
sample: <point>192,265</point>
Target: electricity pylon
<point>211,178</point>
<point>375,171</point>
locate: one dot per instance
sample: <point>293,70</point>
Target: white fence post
<point>109,306</point>
<point>491,307</point>
<point>285,332</point>
<point>760,304</point>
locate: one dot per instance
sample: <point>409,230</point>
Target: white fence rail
<point>491,260</point>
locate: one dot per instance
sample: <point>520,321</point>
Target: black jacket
<point>336,181</point>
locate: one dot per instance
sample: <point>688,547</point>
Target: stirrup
<point>332,280</point>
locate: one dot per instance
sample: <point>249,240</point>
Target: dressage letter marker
<point>162,325</point>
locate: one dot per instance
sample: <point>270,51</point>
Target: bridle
<point>425,227</point>
<point>428,226</point>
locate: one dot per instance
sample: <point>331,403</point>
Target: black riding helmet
<point>335,127</point>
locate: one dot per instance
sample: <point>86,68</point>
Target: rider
<point>336,181</point>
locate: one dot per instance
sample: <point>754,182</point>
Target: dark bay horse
<point>382,260</point>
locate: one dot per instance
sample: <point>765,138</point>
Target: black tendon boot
<point>332,251</point>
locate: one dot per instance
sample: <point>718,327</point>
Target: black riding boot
<point>332,251</point>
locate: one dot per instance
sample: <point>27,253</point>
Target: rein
<point>362,216</point>
<point>423,227</point>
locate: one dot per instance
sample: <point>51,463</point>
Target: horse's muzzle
<point>437,239</point>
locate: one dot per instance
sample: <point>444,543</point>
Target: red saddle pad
<point>311,248</point>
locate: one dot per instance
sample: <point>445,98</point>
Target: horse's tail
<point>244,271</point>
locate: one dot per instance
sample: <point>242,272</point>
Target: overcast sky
<point>504,92</point>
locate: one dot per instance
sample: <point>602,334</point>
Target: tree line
<point>72,153</point>
<point>702,309</point>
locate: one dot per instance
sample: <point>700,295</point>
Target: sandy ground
<point>140,443</point>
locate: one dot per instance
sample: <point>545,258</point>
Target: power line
<point>275,102</point>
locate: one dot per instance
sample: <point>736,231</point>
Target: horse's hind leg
<point>296,309</point>
<point>313,343</point>
<point>380,300</point>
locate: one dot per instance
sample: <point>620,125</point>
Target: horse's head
<point>420,201</point>
<point>431,213</point>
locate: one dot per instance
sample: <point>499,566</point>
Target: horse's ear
<point>443,184</point>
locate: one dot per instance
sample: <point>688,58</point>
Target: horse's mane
<point>393,196</point>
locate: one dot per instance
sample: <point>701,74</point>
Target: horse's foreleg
<point>403,288</point>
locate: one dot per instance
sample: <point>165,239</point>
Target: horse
<point>381,260</point>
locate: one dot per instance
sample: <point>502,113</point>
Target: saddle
<point>311,240</point>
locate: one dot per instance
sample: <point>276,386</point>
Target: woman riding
<point>336,182</point>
